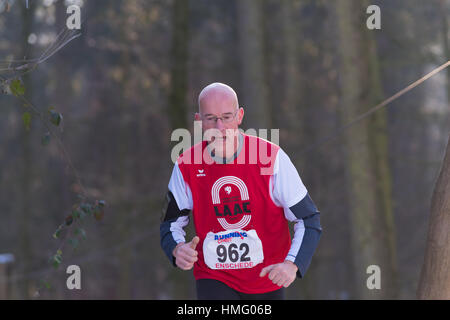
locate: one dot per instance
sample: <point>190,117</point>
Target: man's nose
<point>219,124</point>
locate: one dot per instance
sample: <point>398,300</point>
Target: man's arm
<point>179,206</point>
<point>172,227</point>
<point>289,192</point>
<point>307,232</point>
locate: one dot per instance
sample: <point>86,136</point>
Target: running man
<point>241,195</point>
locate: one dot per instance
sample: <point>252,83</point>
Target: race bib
<point>232,249</point>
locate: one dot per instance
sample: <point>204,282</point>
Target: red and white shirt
<point>241,212</point>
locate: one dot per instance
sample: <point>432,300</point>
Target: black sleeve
<point>173,221</point>
<point>308,212</point>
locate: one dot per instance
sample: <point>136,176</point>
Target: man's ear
<point>240,115</point>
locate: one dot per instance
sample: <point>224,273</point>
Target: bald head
<point>219,95</point>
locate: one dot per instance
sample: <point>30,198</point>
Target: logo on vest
<point>229,236</point>
<point>233,206</point>
<point>200,173</point>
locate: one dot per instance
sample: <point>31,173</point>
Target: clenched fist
<point>281,274</point>
<point>185,254</point>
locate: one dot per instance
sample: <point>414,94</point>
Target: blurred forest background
<point>306,67</point>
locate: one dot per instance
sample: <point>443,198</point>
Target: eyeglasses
<point>226,118</point>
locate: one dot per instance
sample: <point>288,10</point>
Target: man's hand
<point>282,274</point>
<point>185,254</point>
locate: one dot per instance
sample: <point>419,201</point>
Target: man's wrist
<point>290,262</point>
<point>174,251</point>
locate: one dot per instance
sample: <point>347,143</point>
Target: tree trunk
<point>177,96</point>
<point>26,177</point>
<point>378,148</point>
<point>179,56</point>
<point>124,175</point>
<point>368,175</point>
<point>254,95</point>
<point>290,106</point>
<point>435,275</point>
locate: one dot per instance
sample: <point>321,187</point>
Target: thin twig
<point>58,139</point>
<point>27,65</point>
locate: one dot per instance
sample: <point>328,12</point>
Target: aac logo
<point>246,217</point>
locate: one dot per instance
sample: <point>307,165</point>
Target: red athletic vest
<point>236,196</point>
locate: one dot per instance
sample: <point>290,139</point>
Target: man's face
<point>220,111</point>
